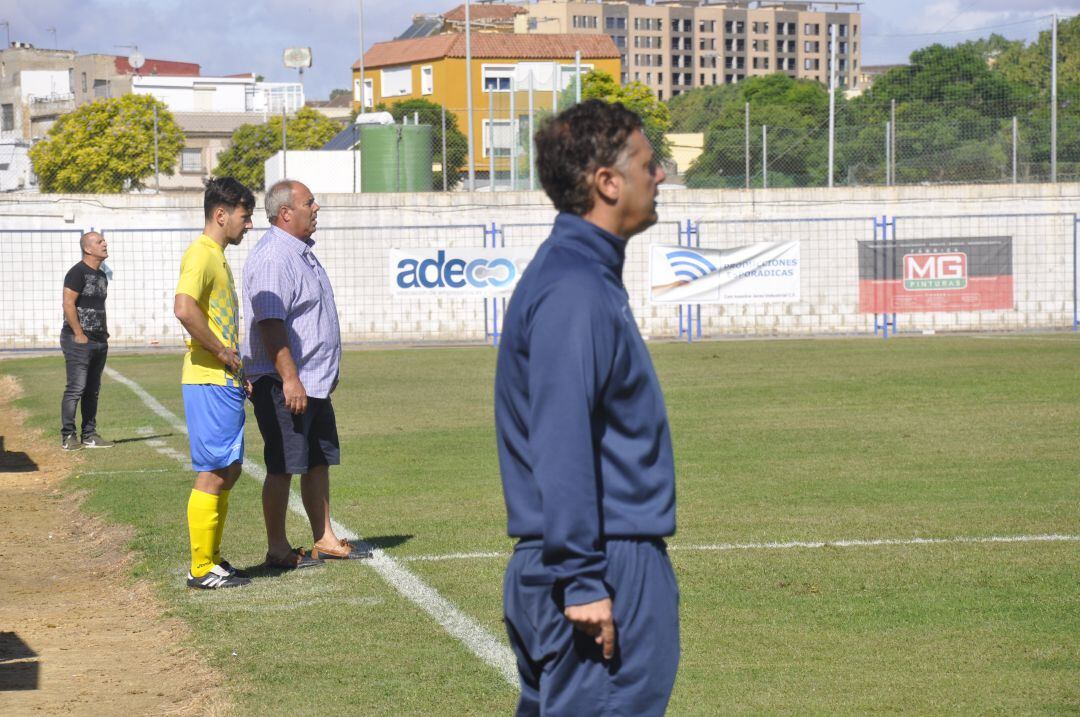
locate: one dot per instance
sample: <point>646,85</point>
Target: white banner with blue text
<point>753,274</point>
<point>457,272</point>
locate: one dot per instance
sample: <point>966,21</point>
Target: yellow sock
<point>203,520</point>
<point>223,510</point>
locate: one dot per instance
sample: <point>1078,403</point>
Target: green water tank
<point>395,158</point>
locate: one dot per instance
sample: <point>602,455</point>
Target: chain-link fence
<point>983,111</point>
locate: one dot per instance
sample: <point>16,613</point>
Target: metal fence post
<point>1076,288</point>
<point>764,156</point>
<point>284,144</point>
<point>892,139</point>
<point>157,172</point>
<point>532,161</point>
<point>1053,101</point>
<point>1014,143</point>
<point>513,135</point>
<point>888,157</point>
<point>746,136</point>
<point>491,139</point>
<point>444,167</point>
<point>832,104</point>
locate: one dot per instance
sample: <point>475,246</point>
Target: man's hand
<point>295,395</point>
<point>595,620</point>
<point>248,387</point>
<point>230,357</point>
<point>82,339</point>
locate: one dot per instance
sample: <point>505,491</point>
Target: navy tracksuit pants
<point>562,671</point>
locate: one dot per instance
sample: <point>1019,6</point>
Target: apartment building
<point>678,45</point>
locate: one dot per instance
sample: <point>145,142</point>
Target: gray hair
<point>84,240</point>
<point>279,195</point>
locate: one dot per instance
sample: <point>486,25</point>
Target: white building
<point>221,94</point>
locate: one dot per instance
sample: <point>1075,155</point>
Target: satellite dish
<point>297,57</point>
<point>136,60</point>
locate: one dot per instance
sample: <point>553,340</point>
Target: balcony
<point>50,105</point>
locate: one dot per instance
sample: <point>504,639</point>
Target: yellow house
<point>507,70</point>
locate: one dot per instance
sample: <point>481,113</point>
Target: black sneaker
<point>71,443</point>
<point>224,564</point>
<point>96,441</point>
<point>216,579</point>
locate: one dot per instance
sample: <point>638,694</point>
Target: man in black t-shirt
<point>84,340</point>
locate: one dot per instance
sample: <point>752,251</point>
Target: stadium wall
<point>148,233</point>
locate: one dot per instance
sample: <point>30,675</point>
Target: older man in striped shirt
<point>292,355</point>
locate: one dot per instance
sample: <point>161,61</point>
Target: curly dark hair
<point>226,192</point>
<point>573,144</point>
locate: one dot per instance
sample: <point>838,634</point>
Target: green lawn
<point>775,441</point>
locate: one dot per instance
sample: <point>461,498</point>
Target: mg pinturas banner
<point>752,274</point>
<point>948,274</point>
<point>457,272</point>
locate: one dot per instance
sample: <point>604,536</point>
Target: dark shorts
<point>294,444</point>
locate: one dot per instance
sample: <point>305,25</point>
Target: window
<point>760,45</point>
<point>809,46</point>
<point>427,80</point>
<point>497,77</point>
<point>843,48</point>
<point>620,41</point>
<point>84,82</point>
<point>707,26</point>
<point>760,28</point>
<point>687,25</point>
<point>498,135</point>
<point>761,63</point>
<point>7,117</point>
<point>396,81</point>
<point>648,78</point>
<point>811,28</point>
<point>191,160</point>
<point>660,77</point>
<point>369,92</point>
<point>615,23</point>
<point>584,21</point>
<point>809,64</point>
<point>101,89</point>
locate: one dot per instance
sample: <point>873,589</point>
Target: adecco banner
<point>753,274</point>
<point>461,272</point>
<point>920,275</point>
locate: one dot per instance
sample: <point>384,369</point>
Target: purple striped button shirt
<point>283,280</point>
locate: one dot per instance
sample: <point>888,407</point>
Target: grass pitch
<point>775,441</point>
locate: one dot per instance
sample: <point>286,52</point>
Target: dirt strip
<point>77,635</point>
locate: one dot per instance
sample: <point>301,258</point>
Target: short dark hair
<point>226,192</point>
<point>573,144</point>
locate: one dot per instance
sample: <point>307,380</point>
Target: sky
<point>231,37</point>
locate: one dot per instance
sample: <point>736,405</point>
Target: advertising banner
<point>921,275</point>
<point>457,272</point>
<point>753,274</point>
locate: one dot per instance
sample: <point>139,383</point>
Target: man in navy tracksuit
<point>590,600</point>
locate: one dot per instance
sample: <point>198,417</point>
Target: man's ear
<point>220,216</point>
<point>608,184</point>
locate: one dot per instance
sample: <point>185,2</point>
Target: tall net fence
<point>839,276</point>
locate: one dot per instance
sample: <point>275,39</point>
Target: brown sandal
<point>344,550</point>
<point>296,559</point>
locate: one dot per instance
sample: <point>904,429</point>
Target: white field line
<point>792,544</point>
<point>134,471</point>
<point>470,633</point>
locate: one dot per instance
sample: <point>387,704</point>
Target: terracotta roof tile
<point>484,12</point>
<point>489,46</point>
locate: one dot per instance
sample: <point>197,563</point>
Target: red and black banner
<point>914,275</point>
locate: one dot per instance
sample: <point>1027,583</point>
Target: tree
<point>796,113</point>
<point>253,144</point>
<point>457,145</point>
<point>695,110</point>
<point>334,94</point>
<point>636,97</point>
<point>107,146</point>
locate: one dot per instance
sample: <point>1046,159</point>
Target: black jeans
<point>85,362</point>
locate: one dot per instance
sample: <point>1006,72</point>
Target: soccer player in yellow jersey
<point>213,380</point>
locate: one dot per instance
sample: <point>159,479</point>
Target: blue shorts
<point>215,422</point>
